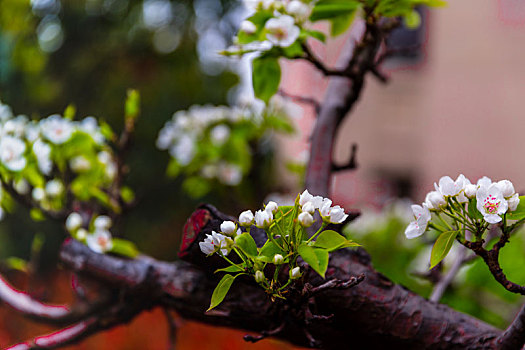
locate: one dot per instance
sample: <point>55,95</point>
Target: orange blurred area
<point>147,331</point>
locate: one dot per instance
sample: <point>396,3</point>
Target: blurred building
<point>457,107</point>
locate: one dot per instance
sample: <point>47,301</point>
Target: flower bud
<point>38,194</point>
<point>507,188</point>
<point>271,206</point>
<point>248,27</point>
<point>435,200</point>
<point>513,202</point>
<point>263,218</point>
<point>54,188</point>
<point>278,259</point>
<point>305,219</point>
<point>337,215</point>
<point>308,207</point>
<point>246,218</point>
<point>102,222</point>
<point>228,227</point>
<point>73,221</point>
<point>470,190</point>
<point>81,234</point>
<point>259,276</point>
<point>295,273</point>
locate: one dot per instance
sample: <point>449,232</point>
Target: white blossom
<point>215,242</point>
<point>305,197</point>
<point>435,200</point>
<point>259,276</point>
<point>79,164</point>
<point>506,187</point>
<point>491,203</point>
<point>278,259</point>
<point>230,174</point>
<point>228,227</point>
<point>484,182</point>
<point>271,206</point>
<point>308,207</point>
<point>337,215</point>
<point>100,241</point>
<point>183,150</point>
<point>448,187</point>
<point>263,218</point>
<point>89,125</point>
<point>102,222</point>
<point>42,153</point>
<point>73,221</point>
<point>470,190</point>
<point>38,194</point>
<point>417,227</point>
<point>16,126</point>
<point>305,219</point>
<point>21,186</point>
<point>12,153</point>
<point>295,273</point>
<point>219,134</point>
<point>54,188</point>
<point>248,27</point>
<point>299,10</point>
<point>324,207</point>
<point>246,218</point>
<point>56,129</point>
<point>81,234</point>
<point>513,201</point>
<point>282,31</point>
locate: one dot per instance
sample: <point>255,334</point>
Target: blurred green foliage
<point>105,47</point>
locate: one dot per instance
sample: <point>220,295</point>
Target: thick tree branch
<point>514,337</point>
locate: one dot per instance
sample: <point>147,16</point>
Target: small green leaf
<point>317,258</point>
<point>330,240</point>
<point>70,112</point>
<point>473,211</point>
<point>124,248</point>
<point>268,251</point>
<point>316,35</point>
<point>266,75</point>
<point>132,106</point>
<point>442,247</point>
<point>36,214</point>
<point>231,269</point>
<point>412,20</point>
<point>221,290</point>
<point>247,244</point>
<point>322,258</point>
<point>16,263</point>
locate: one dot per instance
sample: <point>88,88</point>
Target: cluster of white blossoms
<point>200,140</point>
<point>220,242</point>
<point>329,213</point>
<point>182,135</point>
<point>97,235</point>
<point>284,28</point>
<point>453,197</point>
<point>33,149</point>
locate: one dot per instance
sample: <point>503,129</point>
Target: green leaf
<point>16,263</point>
<point>70,112</point>
<point>247,244</point>
<point>341,23</point>
<point>442,247</point>
<point>268,251</point>
<point>412,20</point>
<point>519,213</point>
<point>293,51</point>
<point>231,269</point>
<point>36,214</point>
<point>266,75</point>
<point>473,212</point>
<point>221,290</point>
<point>330,240</point>
<point>340,13</point>
<point>132,106</point>
<point>322,259</point>
<point>317,258</point>
<point>124,248</point>
<point>316,35</point>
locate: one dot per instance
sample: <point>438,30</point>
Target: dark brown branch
<point>310,291</point>
<point>300,99</point>
<point>172,329</point>
<point>352,163</point>
<point>514,336</point>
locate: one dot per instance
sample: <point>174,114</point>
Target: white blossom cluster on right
<point>453,197</point>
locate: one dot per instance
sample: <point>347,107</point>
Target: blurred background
<point>453,105</point>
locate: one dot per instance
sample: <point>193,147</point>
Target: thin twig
<point>442,285</point>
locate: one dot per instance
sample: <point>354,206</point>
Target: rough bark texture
<point>374,314</point>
